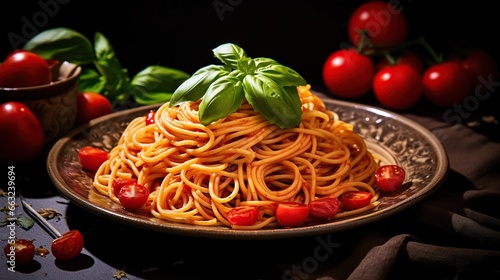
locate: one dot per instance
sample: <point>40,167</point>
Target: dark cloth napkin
<point>455,232</point>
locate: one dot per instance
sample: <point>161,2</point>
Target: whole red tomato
<point>446,83</point>
<point>406,57</point>
<point>91,105</point>
<point>398,87</point>
<point>348,73</point>
<point>382,22</point>
<point>479,64</point>
<point>24,69</point>
<point>22,134</point>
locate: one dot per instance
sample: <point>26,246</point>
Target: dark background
<point>298,34</point>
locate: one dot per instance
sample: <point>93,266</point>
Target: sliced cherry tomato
<point>397,87</point>
<point>21,252</point>
<point>355,199</point>
<point>118,183</point>
<point>91,105</point>
<point>23,138</point>
<point>291,214</point>
<point>133,196</point>
<point>243,215</point>
<point>24,69</point>
<point>390,177</point>
<point>348,74</point>
<point>324,208</point>
<point>91,158</point>
<point>68,246</point>
<point>446,83</point>
<point>150,117</point>
<point>383,23</point>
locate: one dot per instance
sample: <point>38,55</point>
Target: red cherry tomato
<point>23,137</point>
<point>150,117</point>
<point>91,105</point>
<point>407,57</point>
<point>118,183</point>
<point>20,251</point>
<point>479,64</point>
<point>355,199</point>
<point>24,69</point>
<point>91,158</point>
<point>385,24</point>
<point>446,83</point>
<point>291,214</point>
<point>243,215</point>
<point>324,208</point>
<point>68,246</point>
<point>389,177</point>
<point>348,74</point>
<point>133,196</point>
<point>397,87</point>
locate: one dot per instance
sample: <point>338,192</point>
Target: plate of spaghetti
<point>197,174</point>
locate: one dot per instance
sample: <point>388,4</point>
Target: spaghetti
<point>197,174</point>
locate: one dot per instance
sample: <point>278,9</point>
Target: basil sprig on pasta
<point>268,86</point>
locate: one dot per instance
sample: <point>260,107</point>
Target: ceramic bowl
<point>53,104</point>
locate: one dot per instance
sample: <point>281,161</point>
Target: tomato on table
<point>91,105</point>
<point>243,215</point>
<point>24,69</point>
<point>291,214</point>
<point>348,73</point>
<point>133,196</point>
<point>118,184</point>
<point>355,199</point>
<point>68,246</point>
<point>397,87</point>
<point>21,251</point>
<point>91,158</point>
<point>383,23</point>
<point>390,177</point>
<point>324,208</point>
<point>446,83</point>
<point>23,138</point>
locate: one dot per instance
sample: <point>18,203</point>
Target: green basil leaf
<point>282,75</point>
<point>261,62</point>
<point>280,105</point>
<point>156,84</point>
<point>246,65</point>
<point>229,54</point>
<point>196,86</point>
<point>91,81</point>
<point>117,81</point>
<point>223,97</point>
<point>25,222</point>
<point>62,44</point>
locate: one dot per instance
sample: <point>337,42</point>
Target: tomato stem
<point>437,58</point>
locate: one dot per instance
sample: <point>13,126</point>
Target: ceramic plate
<point>395,138</point>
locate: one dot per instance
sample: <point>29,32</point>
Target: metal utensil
<point>41,220</point>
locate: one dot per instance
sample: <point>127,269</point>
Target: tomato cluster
<point>381,61</point>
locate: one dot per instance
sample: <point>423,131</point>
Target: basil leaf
<point>156,84</point>
<point>90,80</point>
<point>282,75</point>
<point>261,62</point>
<point>229,54</point>
<point>117,81</point>
<point>280,105</point>
<point>246,65</point>
<point>223,97</point>
<point>62,44</point>
<point>196,86</point>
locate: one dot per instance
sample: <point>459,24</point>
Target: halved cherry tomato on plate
<point>389,177</point>
<point>133,196</point>
<point>291,214</point>
<point>118,183</point>
<point>150,117</point>
<point>91,158</point>
<point>68,246</point>
<point>355,199</point>
<point>324,208</point>
<point>21,251</point>
<point>243,215</point>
